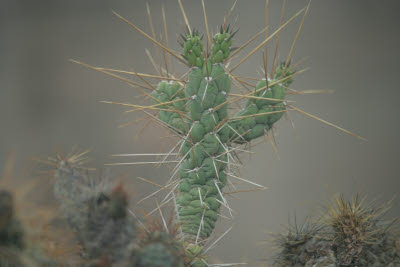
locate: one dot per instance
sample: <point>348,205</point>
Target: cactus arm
<point>172,94</point>
<point>261,113</point>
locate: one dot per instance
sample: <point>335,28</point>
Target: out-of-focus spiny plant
<point>98,213</point>
<point>16,248</point>
<point>348,233</point>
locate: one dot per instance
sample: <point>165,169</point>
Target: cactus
<point>15,251</point>
<point>96,213</point>
<point>360,234</point>
<point>11,231</point>
<point>350,233</point>
<point>160,249</point>
<point>207,131</point>
<point>99,216</point>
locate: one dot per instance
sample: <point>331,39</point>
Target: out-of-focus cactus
<point>360,235</point>
<point>107,232</point>
<point>160,249</point>
<point>108,229</point>
<point>14,250</point>
<point>350,234</point>
<point>11,230</point>
<point>96,213</point>
<point>291,245</point>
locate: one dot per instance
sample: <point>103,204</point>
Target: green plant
<point>207,133</point>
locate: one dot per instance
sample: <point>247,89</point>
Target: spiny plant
<point>195,109</point>
<point>160,246</point>
<point>96,212</point>
<point>290,245</point>
<point>15,251</point>
<point>21,222</point>
<point>349,233</point>
<point>99,215</point>
<point>355,226</point>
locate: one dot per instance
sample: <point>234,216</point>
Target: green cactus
<point>207,131</point>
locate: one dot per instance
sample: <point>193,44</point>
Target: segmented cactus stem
<point>209,133</point>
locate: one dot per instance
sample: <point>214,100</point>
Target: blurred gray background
<point>351,47</point>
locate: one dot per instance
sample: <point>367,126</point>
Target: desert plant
<point>96,213</point>
<point>291,245</point>
<point>357,228</point>
<point>15,251</point>
<point>348,233</point>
